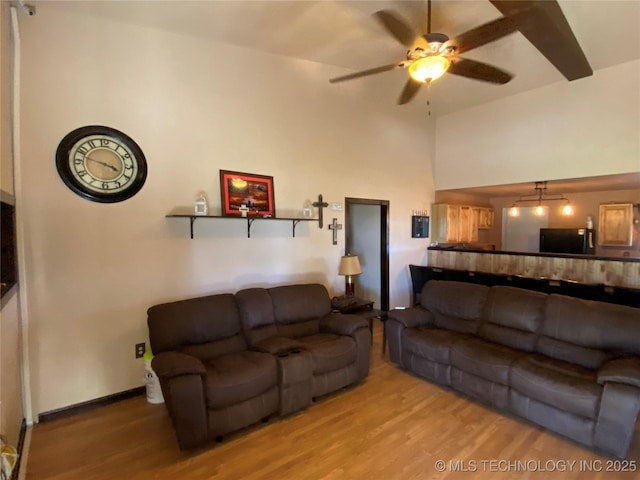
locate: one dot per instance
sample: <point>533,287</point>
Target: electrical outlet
<point>140,349</point>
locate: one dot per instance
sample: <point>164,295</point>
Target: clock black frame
<point>64,168</point>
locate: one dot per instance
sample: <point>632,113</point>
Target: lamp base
<point>349,287</point>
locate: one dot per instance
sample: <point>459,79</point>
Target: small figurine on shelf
<point>243,210</point>
<point>200,206</point>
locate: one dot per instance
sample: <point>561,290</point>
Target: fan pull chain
<point>429,96</point>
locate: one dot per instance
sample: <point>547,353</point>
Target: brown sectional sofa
<point>227,361</point>
<point>569,365</point>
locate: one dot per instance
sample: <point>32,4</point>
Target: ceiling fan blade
<point>409,91</point>
<point>396,27</point>
<point>364,73</point>
<point>484,34</point>
<point>547,29</point>
<point>478,71</point>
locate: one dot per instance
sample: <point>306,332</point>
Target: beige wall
<point>587,127</point>
<point>6,164</point>
<point>194,108</point>
<point>11,412</point>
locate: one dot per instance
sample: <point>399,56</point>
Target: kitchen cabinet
<point>459,223</point>
<point>486,217</point>
<point>615,225</point>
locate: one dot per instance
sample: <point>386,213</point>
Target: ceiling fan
<point>430,55</point>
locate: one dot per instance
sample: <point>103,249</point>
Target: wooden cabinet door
<point>453,224</point>
<point>486,218</point>
<point>474,223</point>
<point>615,225</point>
<point>465,224</point>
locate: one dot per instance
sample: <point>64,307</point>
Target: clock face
<point>101,164</point>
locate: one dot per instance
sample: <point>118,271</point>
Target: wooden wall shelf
<point>250,219</point>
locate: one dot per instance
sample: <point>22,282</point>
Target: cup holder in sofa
<point>295,369</point>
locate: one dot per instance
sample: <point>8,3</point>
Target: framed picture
<point>253,191</point>
<point>615,226</point>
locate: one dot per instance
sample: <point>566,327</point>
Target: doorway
<point>367,236</point>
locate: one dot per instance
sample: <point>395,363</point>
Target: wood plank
<point>392,426</point>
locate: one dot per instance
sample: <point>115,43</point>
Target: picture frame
<point>250,189</point>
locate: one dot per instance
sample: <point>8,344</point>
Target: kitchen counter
<point>612,271</point>
<point>532,254</point>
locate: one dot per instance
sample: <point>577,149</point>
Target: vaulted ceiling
<point>343,35</point>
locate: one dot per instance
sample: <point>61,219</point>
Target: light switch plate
<point>335,206</point>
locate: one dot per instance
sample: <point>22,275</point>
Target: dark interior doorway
<point>367,236</point>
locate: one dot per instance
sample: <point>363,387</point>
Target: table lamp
<point>349,266</point>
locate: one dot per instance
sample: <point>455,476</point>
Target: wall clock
<point>101,164</point>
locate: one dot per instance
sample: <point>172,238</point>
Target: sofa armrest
<point>342,324</point>
<point>621,370</point>
<point>411,317</point>
<point>173,364</point>
<point>277,345</point>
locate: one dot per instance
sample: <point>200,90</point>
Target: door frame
<point>384,242</point>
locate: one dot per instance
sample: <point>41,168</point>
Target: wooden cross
<point>320,205</point>
<point>335,226</point>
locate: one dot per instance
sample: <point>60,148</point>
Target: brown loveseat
<point>569,365</point>
<point>227,361</point>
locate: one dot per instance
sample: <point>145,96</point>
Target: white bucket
<point>154,392</point>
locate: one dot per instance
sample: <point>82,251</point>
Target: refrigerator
<point>567,240</point>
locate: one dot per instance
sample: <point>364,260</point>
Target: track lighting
<point>539,197</point>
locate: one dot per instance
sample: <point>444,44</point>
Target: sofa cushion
<point>430,343</point>
<point>564,385</point>
<point>210,350</point>
<point>484,359</point>
<point>588,333</point>
<point>300,329</point>
<point>330,352</point>
<point>513,317</point>
<point>256,314</point>
<point>192,321</point>
<point>455,305</point>
<point>237,377</point>
<point>296,303</point>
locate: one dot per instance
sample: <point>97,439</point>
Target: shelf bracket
<point>191,221</point>
<point>295,224</point>
<point>249,223</point>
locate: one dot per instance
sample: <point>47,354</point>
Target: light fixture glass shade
<point>514,211</point>
<point>349,265</point>
<point>567,210</point>
<point>428,68</point>
<point>539,211</point>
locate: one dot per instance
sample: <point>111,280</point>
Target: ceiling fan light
<point>428,68</point>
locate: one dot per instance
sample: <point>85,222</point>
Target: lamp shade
<point>349,265</point>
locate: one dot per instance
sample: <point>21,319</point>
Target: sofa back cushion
<point>512,317</point>
<point>587,332</point>
<point>455,305</point>
<point>256,314</point>
<point>298,303</point>
<point>205,326</point>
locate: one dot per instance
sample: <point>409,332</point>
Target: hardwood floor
<point>392,426</point>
